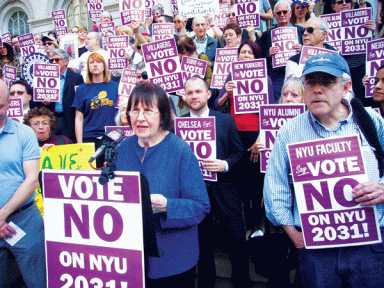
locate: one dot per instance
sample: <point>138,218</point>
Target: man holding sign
<point>322,132</point>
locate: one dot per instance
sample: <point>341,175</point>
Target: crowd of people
<point>191,215</point>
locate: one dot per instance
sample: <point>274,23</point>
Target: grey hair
<point>140,65</point>
<point>199,18</point>
<point>118,114</point>
<point>280,2</point>
<point>157,8</point>
<point>61,53</point>
<point>97,36</point>
<point>346,77</point>
<point>297,83</point>
<point>106,13</point>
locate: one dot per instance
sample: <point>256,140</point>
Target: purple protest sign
<point>200,134</point>
<point>127,82</point>
<point>132,10</point>
<point>161,31</point>
<point>60,22</point>
<point>9,75</point>
<point>15,109</point>
<point>46,82</point>
<point>77,251</point>
<point>333,37</point>
<point>272,118</point>
<point>117,47</point>
<point>105,26</point>
<point>248,13</point>
<point>353,33</point>
<point>128,132</point>
<point>148,7</point>
<point>6,37</point>
<point>27,44</point>
<point>284,38</point>
<point>221,19</point>
<point>309,51</point>
<point>251,88</point>
<point>224,58</point>
<point>175,8</point>
<point>375,59</point>
<point>192,67</point>
<point>163,64</point>
<point>324,174</point>
<point>95,8</point>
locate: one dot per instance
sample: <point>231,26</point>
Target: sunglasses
<point>282,12</point>
<point>177,21</point>
<point>54,60</point>
<point>310,30</point>
<point>48,43</point>
<point>340,2</point>
<point>231,15</point>
<point>16,92</point>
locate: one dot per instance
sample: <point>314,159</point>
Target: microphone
<point>110,138</point>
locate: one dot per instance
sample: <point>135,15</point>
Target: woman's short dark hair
<point>146,93</point>
<point>233,26</point>
<point>185,44</point>
<point>39,112</point>
<point>255,48</point>
<point>10,55</point>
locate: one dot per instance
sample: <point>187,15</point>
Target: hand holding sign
<point>6,231</point>
<point>368,193</point>
<point>214,165</point>
<point>159,203</point>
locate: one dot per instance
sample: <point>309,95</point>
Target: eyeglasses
<point>310,30</point>
<point>230,35</point>
<point>340,2</point>
<point>143,75</point>
<point>16,92</point>
<point>282,12</point>
<point>147,114</point>
<point>48,43</point>
<point>55,60</point>
<point>231,15</point>
<point>37,124</point>
<point>177,21</point>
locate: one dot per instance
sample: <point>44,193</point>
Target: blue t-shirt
<point>97,103</point>
<point>18,143</point>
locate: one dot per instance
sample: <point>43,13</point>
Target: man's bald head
<point>4,91</point>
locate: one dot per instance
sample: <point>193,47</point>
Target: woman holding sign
<point>178,194</point>
<point>95,103</point>
<point>7,57</point>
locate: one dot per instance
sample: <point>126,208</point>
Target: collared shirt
<point>201,46</point>
<point>277,192</point>
<point>59,105</point>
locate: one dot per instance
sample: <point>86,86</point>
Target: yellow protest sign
<point>70,156</point>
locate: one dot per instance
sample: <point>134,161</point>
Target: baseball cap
<point>330,63</point>
<point>47,38</point>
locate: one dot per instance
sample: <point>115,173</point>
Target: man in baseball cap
<point>50,44</point>
<point>326,80</point>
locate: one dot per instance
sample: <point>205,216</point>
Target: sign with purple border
<point>224,59</point>
<point>163,64</point>
<point>105,26</point>
<point>93,233</point>
<point>6,37</point>
<point>192,67</point>
<point>309,51</point>
<point>46,82</point>
<point>117,47</point>
<point>60,22</point>
<point>127,130</point>
<point>251,85</point>
<point>195,8</point>
<point>333,37</point>
<point>200,134</point>
<point>375,59</point>
<point>284,38</point>
<point>127,82</point>
<point>161,31</point>
<point>132,10</point>
<point>27,44</point>
<point>148,7</point>
<point>354,35</point>
<point>247,13</point>
<point>175,9</point>
<point>95,8</point>
<point>324,173</point>
<point>221,19</point>
<point>15,109</point>
<point>272,118</point>
<point>9,75</point>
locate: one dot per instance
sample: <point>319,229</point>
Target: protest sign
<point>148,7</point>
<point>272,118</point>
<point>70,44</point>
<point>27,44</point>
<point>15,109</point>
<point>221,19</point>
<point>60,22</point>
<point>132,10</point>
<point>127,82</point>
<point>175,9</point>
<point>284,38</point>
<point>333,37</point>
<point>117,47</point>
<point>163,64</point>
<point>375,59</point>
<point>309,51</point>
<point>128,132</point>
<point>354,35</point>
<point>9,75</point>
<point>69,156</point>
<point>251,85</point>
<point>6,37</point>
<point>195,8</point>
<point>200,134</point>
<point>247,13</point>
<point>106,26</point>
<point>93,233</point>
<point>95,8</point>
<point>324,173</point>
<point>224,58</point>
<point>161,31</point>
<point>46,82</point>
<point>192,67</point>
